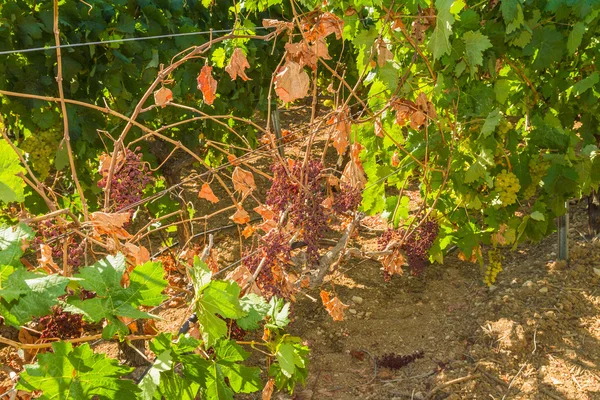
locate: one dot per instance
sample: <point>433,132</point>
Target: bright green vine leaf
<point>278,314</point>
<point>439,44</point>
<point>491,123</point>
<point>256,307</point>
<point>11,186</point>
<point>585,84</point>
<point>13,239</point>
<point>151,381</point>
<point>77,374</point>
<point>292,365</point>
<point>25,295</point>
<point>575,37</point>
<point>146,283</point>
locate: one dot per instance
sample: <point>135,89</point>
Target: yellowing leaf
<point>163,96</point>
<point>207,84</point>
<point>243,181</point>
<point>206,193</point>
<point>291,82</point>
<point>334,306</point>
<point>237,65</point>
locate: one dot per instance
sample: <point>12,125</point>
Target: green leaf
<point>522,40</point>
<point>11,186</point>
<point>12,241</point>
<point>439,43</point>
<point>77,374</point>
<point>285,357</point>
<point>575,37</point>
<point>585,84</point>
<point>278,314</point>
<point>151,381</point>
<point>509,9</point>
<point>538,216</point>
<point>475,44</point>
<point>475,172</point>
<point>491,122</point>
<point>547,46</point>
<point>502,90</point>
<point>44,118</point>
<point>256,307</point>
<point>146,283</point>
<point>219,56</point>
<point>218,298</point>
<point>200,274</point>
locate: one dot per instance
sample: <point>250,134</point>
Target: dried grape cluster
<point>397,361</point>
<point>129,180</point>
<point>304,202</point>
<point>63,325</point>
<point>416,246</point>
<point>347,199</point>
<point>507,185</point>
<point>41,149</point>
<point>47,233</point>
<point>275,250</point>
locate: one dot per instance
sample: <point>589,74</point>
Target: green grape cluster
<point>494,267</point>
<point>41,148</point>
<point>537,169</point>
<point>507,185</point>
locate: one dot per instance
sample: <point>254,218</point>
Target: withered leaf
<point>395,159</point>
<point>291,82</point>
<point>163,96</point>
<point>237,65</point>
<point>417,120</point>
<point>243,181</point>
<point>378,127</point>
<point>206,193</point>
<point>46,260</point>
<point>334,306</point>
<point>248,231</point>
<point>393,263</point>
<point>279,25</point>
<point>136,255</point>
<point>207,84</point>
<point>268,389</point>
<point>110,224</point>
<point>341,134</point>
<point>240,216</point>
<point>265,212</point>
<point>383,53</point>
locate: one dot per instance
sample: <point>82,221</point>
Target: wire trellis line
<point>123,40</point>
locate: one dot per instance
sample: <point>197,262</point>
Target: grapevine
<point>507,186</point>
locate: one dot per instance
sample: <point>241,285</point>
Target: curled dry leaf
<point>326,24</point>
<point>279,25</point>
<point>268,389</point>
<point>267,226</point>
<point>248,231</point>
<point>136,255</point>
<point>393,263</point>
<point>378,127</point>
<point>110,224</point>
<point>334,306</point>
<point>207,84</point>
<point>291,82</point>
<point>395,159</point>
<point>422,101</point>
<point>104,164</point>
<point>240,216</point>
<point>404,109</point>
<point>354,173</point>
<point>206,193</point>
<point>265,212</point>
<point>46,260</point>
<point>243,181</point>
<point>383,53</point>
<point>242,275</point>
<point>328,202</point>
<point>237,65</point>
<point>341,134</point>
<point>163,96</point>
<point>417,120</point>
<point>233,159</point>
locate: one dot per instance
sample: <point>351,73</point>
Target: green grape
<point>537,169</point>
<point>41,148</point>
<point>494,267</point>
<point>507,186</point>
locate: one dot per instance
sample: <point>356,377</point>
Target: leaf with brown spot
<point>291,82</point>
<point>206,193</point>
<point>240,216</point>
<point>163,96</point>
<point>383,53</point>
<point>334,306</point>
<point>268,389</point>
<point>243,181</point>
<point>110,224</point>
<point>237,65</point>
<point>46,260</point>
<point>207,84</point>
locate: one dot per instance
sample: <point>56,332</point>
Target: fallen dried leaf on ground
<point>334,306</point>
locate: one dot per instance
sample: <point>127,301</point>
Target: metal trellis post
<point>563,231</point>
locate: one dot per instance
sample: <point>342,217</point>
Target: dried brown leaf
<point>393,263</point>
<point>240,216</point>
<point>163,96</point>
<point>110,224</point>
<point>395,159</point>
<point>242,275</point>
<point>136,255</point>
<point>207,84</point>
<point>291,82</point>
<point>206,193</point>
<point>417,120</point>
<point>237,65</point>
<point>378,127</point>
<point>248,231</point>
<point>279,25</point>
<point>383,54</point>
<point>341,133</point>
<point>243,181</point>
<point>334,306</point>
<point>265,212</point>
<point>46,260</point>
<point>268,389</point>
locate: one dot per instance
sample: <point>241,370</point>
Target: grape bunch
<point>507,185</point>
<point>128,181</point>
<point>61,324</point>
<point>41,149</point>
<point>537,169</point>
<point>494,267</point>
<point>396,361</point>
<point>347,199</point>
<point>303,201</point>
<point>416,246</point>
<point>275,250</point>
<point>54,235</point>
